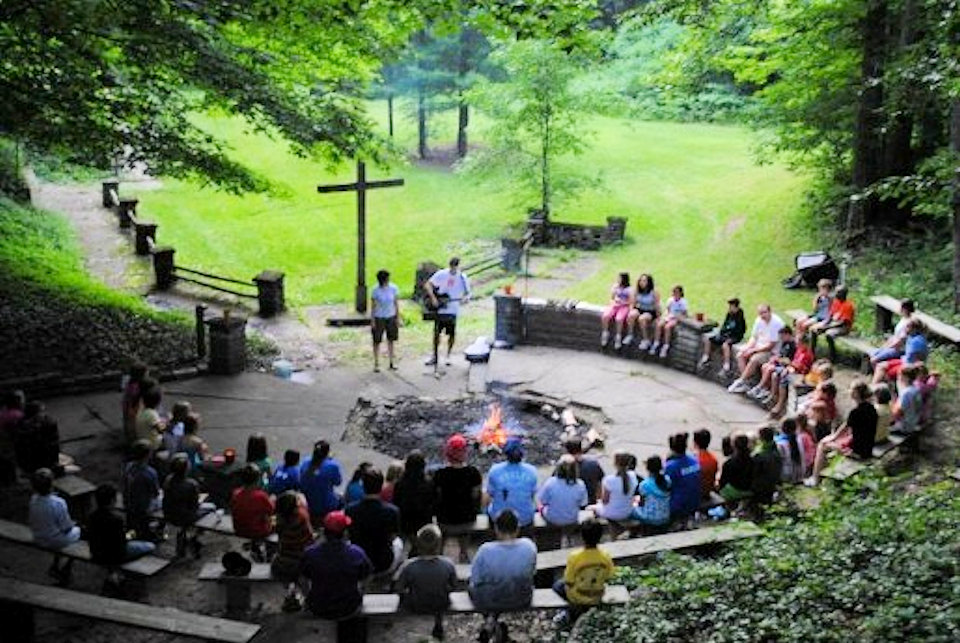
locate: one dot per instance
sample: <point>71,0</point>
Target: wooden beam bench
<point>844,467</point>
<point>887,307</point>
<point>29,596</point>
<point>460,603</point>
<point>15,532</point>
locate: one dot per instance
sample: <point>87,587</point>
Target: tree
<point>537,119</point>
<point>93,81</point>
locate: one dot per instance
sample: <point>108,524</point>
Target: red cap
<point>456,448</point>
<point>336,521</point>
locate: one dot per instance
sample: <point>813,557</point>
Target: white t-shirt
<point>766,332</point>
<point>385,301</point>
<point>900,330</point>
<point>620,505</point>
<point>677,307</point>
<point>456,286</point>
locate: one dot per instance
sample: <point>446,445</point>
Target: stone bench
<point>15,532</point>
<point>30,596</point>
<point>844,467</point>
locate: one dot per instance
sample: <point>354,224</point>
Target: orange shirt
<point>708,472</point>
<point>842,311</point>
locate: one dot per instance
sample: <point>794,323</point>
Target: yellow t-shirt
<point>586,575</point>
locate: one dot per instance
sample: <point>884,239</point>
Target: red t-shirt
<point>251,509</point>
<point>708,472</point>
<point>842,311</point>
<point>802,359</point>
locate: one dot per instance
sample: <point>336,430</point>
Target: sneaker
<point>604,338</point>
<point>628,340</point>
<point>561,619</point>
<point>704,360</point>
<point>431,361</point>
<point>664,351</point>
<point>653,349</point>
<point>768,400</point>
<point>756,392</point>
<point>718,513</point>
<point>448,362</point>
<point>376,369</point>
<point>643,345</point>
<point>393,367</point>
<point>738,386</point>
<point>725,369</point>
<point>617,343</point>
<point>809,482</point>
<point>437,631</point>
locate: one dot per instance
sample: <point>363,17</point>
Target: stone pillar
<point>108,187</point>
<point>511,254</point>
<point>228,344</point>
<point>127,211</point>
<point>163,267</point>
<point>270,292</point>
<point>509,321</point>
<point>686,345</point>
<point>146,236</point>
<point>616,228</point>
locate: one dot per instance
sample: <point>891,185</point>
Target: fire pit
<point>399,425</point>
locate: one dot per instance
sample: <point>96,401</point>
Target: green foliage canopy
<point>100,82</point>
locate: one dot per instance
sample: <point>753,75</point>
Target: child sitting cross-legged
<point>586,574</point>
<point>425,582</point>
<point>654,492</point>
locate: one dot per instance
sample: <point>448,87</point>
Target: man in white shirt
<point>452,286</point>
<point>763,341</point>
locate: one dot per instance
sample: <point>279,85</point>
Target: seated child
<point>908,409</point>
<point>821,409</point>
<point>791,450</point>
<point>881,393</point>
<point>252,511</point>
<point>294,535</point>
<point>786,349</point>
<point>767,467</point>
<point>354,491</point>
<point>586,574</point>
<point>840,322</point>
<point>425,582</point>
<point>821,307</point>
<point>617,490</point>
<point>621,301</point>
<point>708,463</point>
<point>394,471</point>
<point>855,436</point>
<point>654,491</point>
<point>730,332</point>
<point>791,374</point>
<point>893,347</point>
<point>676,310</point>
<point>50,522</point>
<point>736,477</point>
<point>286,477</point>
<point>915,350</point>
<point>107,535</point>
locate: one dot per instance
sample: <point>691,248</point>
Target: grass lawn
<point>701,213</point>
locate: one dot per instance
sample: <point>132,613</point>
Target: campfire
<point>492,434</point>
<point>397,426</point>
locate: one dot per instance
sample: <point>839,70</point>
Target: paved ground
<point>645,402</point>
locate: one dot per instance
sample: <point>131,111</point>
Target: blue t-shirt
<point>684,472</point>
<point>562,501</point>
<point>512,486</point>
<point>319,486</point>
<point>911,408</point>
<point>655,509</point>
<point>353,493</point>
<point>285,479</point>
<point>916,349</point>
<point>501,576</point>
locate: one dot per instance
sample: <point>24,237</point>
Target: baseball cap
<point>336,521</point>
<point>455,449</point>
<point>513,446</point>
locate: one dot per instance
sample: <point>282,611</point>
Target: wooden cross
<point>360,187</point>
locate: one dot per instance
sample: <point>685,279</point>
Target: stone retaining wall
<point>577,326</point>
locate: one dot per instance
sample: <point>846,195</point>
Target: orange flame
<point>492,433</point>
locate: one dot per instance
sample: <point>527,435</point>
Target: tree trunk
<point>462,128</point>
<point>955,147</point>
<point>867,146</point>
<point>390,114</point>
<point>421,124</point>
<point>545,165</point>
